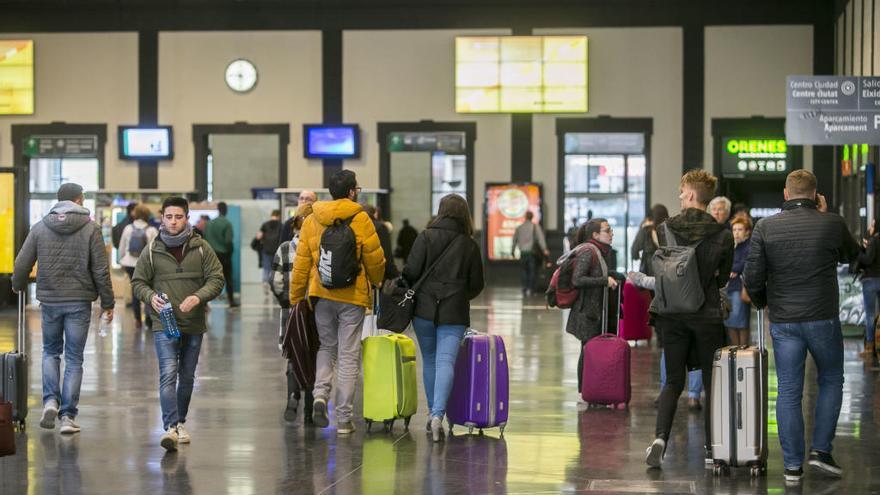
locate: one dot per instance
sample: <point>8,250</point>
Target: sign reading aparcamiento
<point>832,110</point>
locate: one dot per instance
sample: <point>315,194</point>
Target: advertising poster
<point>7,222</point>
<point>506,207</point>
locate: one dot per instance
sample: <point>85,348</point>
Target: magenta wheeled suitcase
<point>479,396</point>
<point>606,378</point>
<point>634,323</point>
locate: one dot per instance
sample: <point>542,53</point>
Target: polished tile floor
<point>241,445</point>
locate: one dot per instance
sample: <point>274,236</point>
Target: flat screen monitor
<point>332,141</point>
<point>146,143</point>
<point>16,77</point>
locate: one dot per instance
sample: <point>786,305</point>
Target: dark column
<point>331,70</point>
<point>823,64</point>
<point>693,78</point>
<point>148,100</point>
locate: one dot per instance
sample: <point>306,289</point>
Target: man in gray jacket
<point>529,238</point>
<point>73,271</point>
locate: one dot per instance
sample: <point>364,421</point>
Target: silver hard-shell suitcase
<point>739,406</point>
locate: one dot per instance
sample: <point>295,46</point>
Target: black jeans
<point>529,264</point>
<point>684,343</point>
<point>135,303</point>
<point>226,262</point>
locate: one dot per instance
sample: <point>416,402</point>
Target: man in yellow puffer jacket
<point>339,313</point>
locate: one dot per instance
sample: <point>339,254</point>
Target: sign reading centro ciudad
<point>832,110</point>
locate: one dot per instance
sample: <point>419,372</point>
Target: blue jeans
<point>267,267</point>
<point>439,346</point>
<point>178,359</point>
<point>65,328</point>
<point>528,265</point>
<point>695,379</point>
<point>791,341</point>
<point>870,291</point>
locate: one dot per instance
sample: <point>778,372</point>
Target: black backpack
<point>338,263</point>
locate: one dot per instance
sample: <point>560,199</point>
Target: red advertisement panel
<point>506,207</point>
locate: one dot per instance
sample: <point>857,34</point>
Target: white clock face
<point>241,75</point>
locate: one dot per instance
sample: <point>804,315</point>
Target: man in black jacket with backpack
<point>792,267</point>
<point>690,337</point>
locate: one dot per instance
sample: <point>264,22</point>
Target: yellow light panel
<point>16,77</point>
<point>7,222</point>
<point>528,74</point>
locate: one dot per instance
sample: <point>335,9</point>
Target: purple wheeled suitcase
<point>479,397</point>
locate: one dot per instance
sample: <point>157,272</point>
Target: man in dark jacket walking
<point>690,339</point>
<point>73,271</point>
<point>220,236</point>
<point>792,266</point>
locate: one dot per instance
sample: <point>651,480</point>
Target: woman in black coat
<point>442,303</point>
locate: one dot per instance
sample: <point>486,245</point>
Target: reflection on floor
<point>241,445</point>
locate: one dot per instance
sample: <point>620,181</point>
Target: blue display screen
<point>332,141</point>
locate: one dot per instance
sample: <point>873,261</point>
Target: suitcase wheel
<point>406,423</point>
<point>501,428</point>
<point>470,430</point>
<point>481,432</point>
<point>719,468</point>
<point>388,425</point>
<point>369,424</point>
<point>622,405</point>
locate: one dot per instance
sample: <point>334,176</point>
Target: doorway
<point>422,162</point>
<point>604,172</point>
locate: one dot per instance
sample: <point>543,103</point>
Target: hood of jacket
<point>327,212</point>
<point>66,217</point>
<point>446,223</point>
<point>693,225</point>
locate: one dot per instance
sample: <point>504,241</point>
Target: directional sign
<point>832,110</point>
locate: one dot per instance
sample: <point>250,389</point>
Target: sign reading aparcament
<point>832,110</point>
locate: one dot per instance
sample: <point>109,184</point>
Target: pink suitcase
<point>606,378</point>
<point>634,322</point>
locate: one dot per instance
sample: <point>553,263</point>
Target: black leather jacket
<point>792,263</point>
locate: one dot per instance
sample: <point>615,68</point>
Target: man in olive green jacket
<point>181,265</point>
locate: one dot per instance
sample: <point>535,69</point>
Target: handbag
<point>744,294</point>
<point>7,433</point>
<point>397,299</point>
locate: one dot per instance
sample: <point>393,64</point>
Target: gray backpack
<point>678,288</point>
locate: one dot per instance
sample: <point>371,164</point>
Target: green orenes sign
<point>742,157</point>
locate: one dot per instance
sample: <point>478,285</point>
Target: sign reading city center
<point>832,110</point>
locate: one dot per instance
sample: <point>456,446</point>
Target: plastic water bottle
<point>104,326</point>
<point>166,316</point>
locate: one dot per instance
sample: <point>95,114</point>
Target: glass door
<point>605,178</point>
<point>448,176</point>
<point>47,175</point>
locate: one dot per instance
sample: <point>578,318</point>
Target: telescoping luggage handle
<point>762,345</point>
<point>605,307</point>
<point>20,332</point>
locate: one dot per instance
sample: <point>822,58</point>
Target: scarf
<point>178,240</point>
<point>603,248</point>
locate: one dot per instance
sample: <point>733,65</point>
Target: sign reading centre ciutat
<point>832,110</point>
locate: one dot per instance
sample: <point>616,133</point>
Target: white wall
<point>746,67</point>
<point>633,72</point>
<point>83,78</point>
<point>192,90</point>
<point>407,76</point>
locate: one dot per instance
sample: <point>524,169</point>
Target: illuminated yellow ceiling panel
<point>16,77</point>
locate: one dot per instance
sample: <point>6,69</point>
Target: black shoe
<point>824,462</point>
<point>290,411</point>
<point>794,475</point>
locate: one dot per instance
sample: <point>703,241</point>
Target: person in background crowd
<point>305,197</point>
<point>719,208</point>
<point>792,268</point>
<point>135,238</point>
<point>282,266</point>
<point>737,323</point>
<point>742,210</point>
<point>202,224</point>
<point>73,272</point>
<point>339,313</point>
<point>645,242</point>
<point>384,234</point>
<point>116,233</point>
<point>691,339</point>
<point>220,236</point>
<point>181,265</point>
<point>529,238</point>
<point>269,235</point>
<point>869,263</point>
<point>592,278</point>
<point>571,235</point>
<point>405,240</point>
<point>441,317</point>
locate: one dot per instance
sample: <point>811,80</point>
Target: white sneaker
<point>182,434</point>
<point>169,439</point>
<point>50,412</point>
<point>68,425</point>
<point>655,453</point>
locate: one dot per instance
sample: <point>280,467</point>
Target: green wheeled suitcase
<point>390,387</point>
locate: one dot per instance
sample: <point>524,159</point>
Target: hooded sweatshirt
<point>714,257</point>
<point>72,259</point>
<point>306,281</point>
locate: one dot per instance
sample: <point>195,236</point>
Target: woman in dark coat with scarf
<point>592,278</point>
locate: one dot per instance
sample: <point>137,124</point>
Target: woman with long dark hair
<point>442,303</point>
<point>645,242</point>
